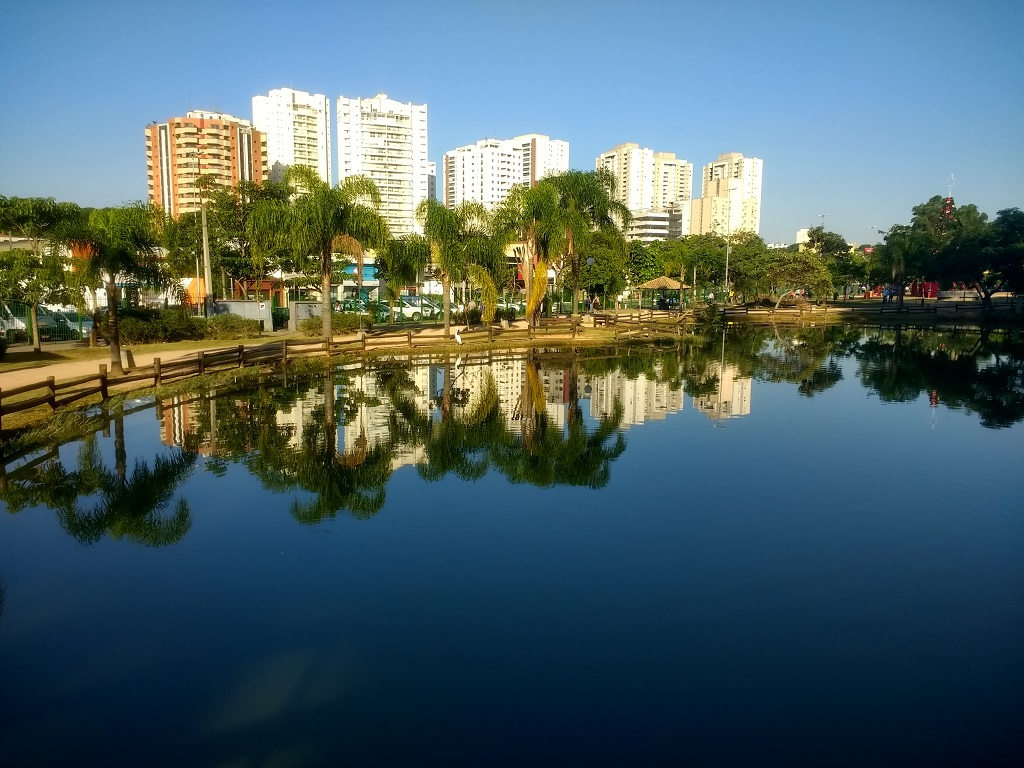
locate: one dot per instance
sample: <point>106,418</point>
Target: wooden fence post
<point>1,408</point>
<point>408,336</point>
<point>284,351</point>
<point>103,381</point>
<point>201,361</point>
<point>490,334</point>
<point>156,371</point>
<point>241,355</point>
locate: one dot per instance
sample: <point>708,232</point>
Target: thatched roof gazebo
<point>662,285</point>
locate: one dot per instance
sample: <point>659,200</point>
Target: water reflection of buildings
<point>732,397</point>
<point>368,410</point>
<point>181,416</point>
<point>643,399</point>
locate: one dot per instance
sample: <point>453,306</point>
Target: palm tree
<point>115,243</point>
<point>321,213</point>
<point>455,236</point>
<point>401,261</point>
<point>585,203</point>
<point>530,214</point>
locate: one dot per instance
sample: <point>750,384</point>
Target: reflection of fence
<point>55,394</point>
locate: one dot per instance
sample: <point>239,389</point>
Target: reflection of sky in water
<point>817,567</point>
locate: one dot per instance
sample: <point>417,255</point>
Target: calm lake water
<point>760,547</point>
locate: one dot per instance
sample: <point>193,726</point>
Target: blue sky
<point>859,110</point>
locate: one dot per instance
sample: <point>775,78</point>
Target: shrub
<point>312,327</point>
<point>505,313</point>
<point>3,347</point>
<point>134,330</point>
<point>232,327</point>
<point>341,322</point>
<point>146,326</point>
<point>279,317</point>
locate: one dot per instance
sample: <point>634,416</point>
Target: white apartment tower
<point>655,186</point>
<point>386,140</point>
<point>487,171</point>
<point>298,129</point>
<point>730,198</point>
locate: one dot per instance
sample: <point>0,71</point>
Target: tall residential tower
<point>655,186</point>
<point>386,140</point>
<point>487,171</point>
<point>730,198</point>
<point>178,152</point>
<point>298,129</point>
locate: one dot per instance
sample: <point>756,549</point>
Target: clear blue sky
<point>859,109</point>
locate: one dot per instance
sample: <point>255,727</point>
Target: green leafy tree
<point>38,274</point>
<point>644,262</point>
<point>988,257</point>
<point>115,245</point>
<point>906,252</point>
<point>585,203</point>
<point>843,263</point>
<point>704,255</point>
<point>321,213</point>
<point>610,253</point>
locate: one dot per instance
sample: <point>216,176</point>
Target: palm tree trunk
<point>113,333</point>
<point>325,287</point>
<point>575,274</point>
<point>447,302</point>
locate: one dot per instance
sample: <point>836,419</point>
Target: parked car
<point>70,325</point>
<point>418,308</point>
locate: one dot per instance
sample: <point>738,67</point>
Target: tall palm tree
<point>115,243</point>
<point>454,234</point>
<point>585,202</point>
<point>530,214</point>
<point>320,213</point>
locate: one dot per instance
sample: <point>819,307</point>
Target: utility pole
<point>207,274</point>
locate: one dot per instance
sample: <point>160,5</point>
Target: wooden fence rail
<point>205,361</point>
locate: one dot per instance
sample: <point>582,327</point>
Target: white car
<point>418,308</point>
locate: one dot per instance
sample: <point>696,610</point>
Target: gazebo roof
<point>662,283</point>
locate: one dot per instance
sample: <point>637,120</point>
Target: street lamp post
<point>728,249</point>
<point>207,272</point>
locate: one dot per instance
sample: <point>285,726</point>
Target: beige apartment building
<point>181,150</point>
<point>655,186</point>
<point>730,198</point>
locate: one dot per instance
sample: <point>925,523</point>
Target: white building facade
<point>386,140</point>
<point>655,186</point>
<point>730,198</point>
<point>486,171</point>
<point>298,129</point>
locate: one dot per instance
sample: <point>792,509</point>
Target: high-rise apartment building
<point>539,156</point>
<point>386,140</point>
<point>298,130</point>
<point>181,150</point>
<point>655,186</point>
<point>730,198</point>
<point>487,171</point>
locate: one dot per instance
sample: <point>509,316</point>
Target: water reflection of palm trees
<point>127,505</point>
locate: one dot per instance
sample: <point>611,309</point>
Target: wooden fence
<point>56,394</point>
